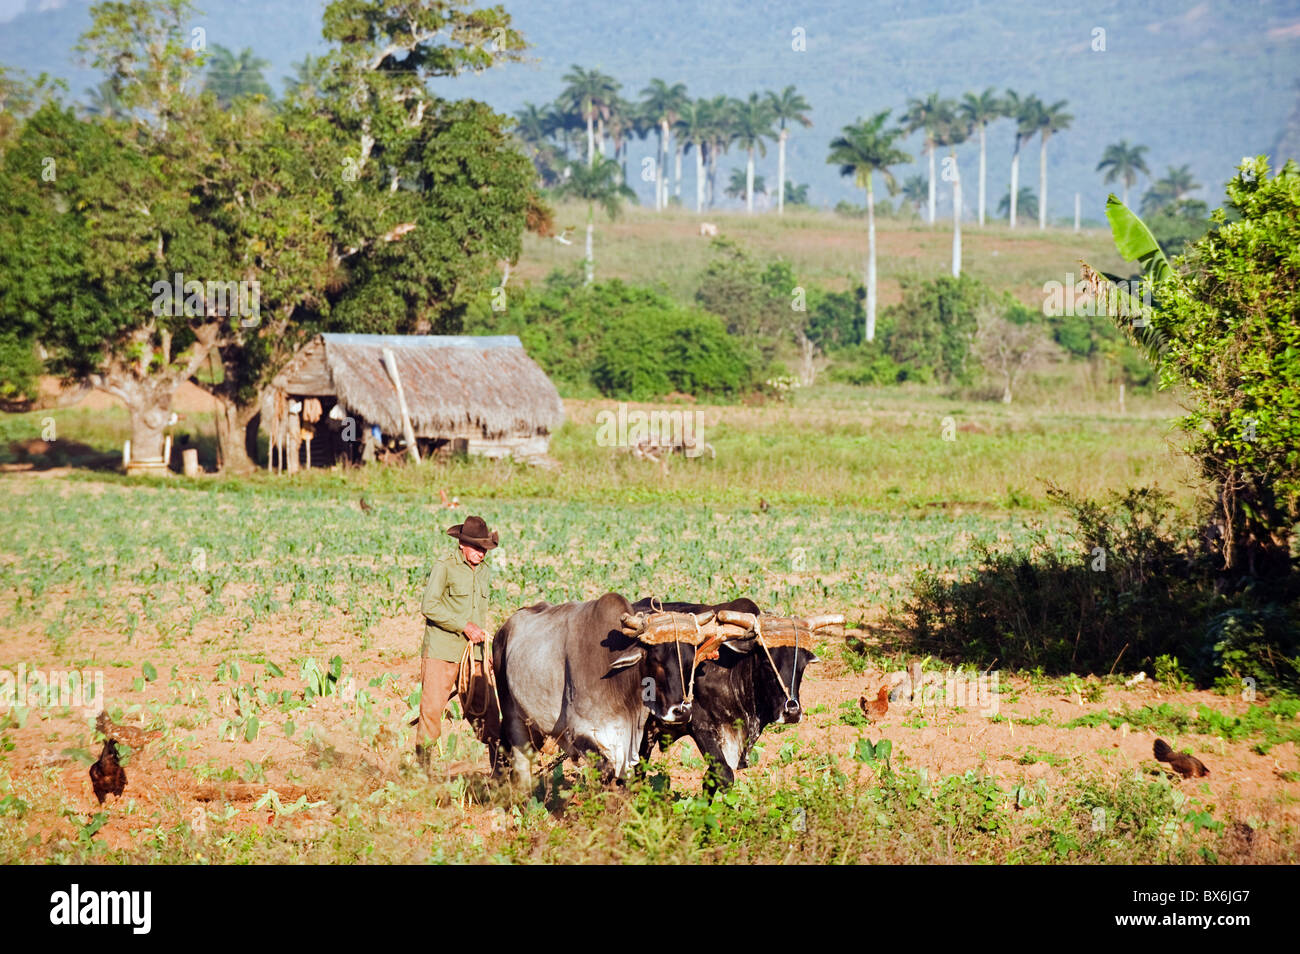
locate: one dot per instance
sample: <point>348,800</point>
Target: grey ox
<point>567,671</point>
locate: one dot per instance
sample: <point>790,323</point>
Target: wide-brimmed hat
<point>474,531</point>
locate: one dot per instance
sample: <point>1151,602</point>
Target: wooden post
<point>1076,211</point>
<point>390,362</point>
<point>1121,397</point>
<point>190,462</point>
<point>126,453</point>
<point>167,452</point>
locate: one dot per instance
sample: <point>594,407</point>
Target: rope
<point>465,683</point>
<point>758,629</point>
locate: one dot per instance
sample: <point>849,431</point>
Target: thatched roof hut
<point>482,389</point>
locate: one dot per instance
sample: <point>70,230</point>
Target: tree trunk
<point>871,262</point>
<point>780,175</point>
<point>591,141</point>
<point>956,218</point>
<point>591,261</point>
<point>807,372</point>
<point>234,421</point>
<point>933,206</point>
<point>1015,185</point>
<point>749,183</point>
<point>150,406</point>
<point>1042,185</point>
<point>699,179</point>
<point>1125,199</point>
<point>661,162</point>
<point>981,188</point>
<point>677,169</point>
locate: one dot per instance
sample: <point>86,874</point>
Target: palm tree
<point>1026,203</point>
<point>532,129</point>
<point>720,123</point>
<point>589,93</point>
<point>928,115</point>
<point>662,104</point>
<point>231,76</point>
<point>308,76</point>
<point>740,184</point>
<point>979,110</point>
<point>601,182</point>
<point>753,120</point>
<point>1050,119</point>
<point>105,100</point>
<point>1169,190</point>
<point>797,194</point>
<point>864,149</point>
<point>954,129</point>
<point>787,105</point>
<point>915,189</point>
<point>1024,113</point>
<point>693,132</point>
<point>1123,162</point>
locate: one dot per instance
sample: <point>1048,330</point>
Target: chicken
<point>130,735</point>
<point>365,507</point>
<point>1188,766</point>
<point>451,503</point>
<point>107,775</point>
<point>875,708</point>
<point>763,505</point>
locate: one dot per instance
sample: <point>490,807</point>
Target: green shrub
<point>619,340</point>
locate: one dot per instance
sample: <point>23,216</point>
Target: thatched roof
<point>455,385</point>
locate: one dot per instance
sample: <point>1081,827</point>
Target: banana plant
<point>1131,313</point>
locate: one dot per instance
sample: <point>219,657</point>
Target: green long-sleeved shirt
<point>456,594</point>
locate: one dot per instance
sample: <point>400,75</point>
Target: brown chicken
<point>365,507</point>
<point>107,775</point>
<point>1188,766</point>
<point>875,708</point>
<point>133,736</point>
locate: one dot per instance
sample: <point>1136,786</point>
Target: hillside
<point>1200,84</point>
<point>825,249</point>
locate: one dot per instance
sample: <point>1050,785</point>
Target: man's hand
<point>474,634</point>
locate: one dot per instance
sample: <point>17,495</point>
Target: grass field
<point>665,250</point>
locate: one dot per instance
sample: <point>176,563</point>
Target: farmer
<point>455,610</point>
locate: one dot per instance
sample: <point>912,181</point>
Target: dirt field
<point>202,611</point>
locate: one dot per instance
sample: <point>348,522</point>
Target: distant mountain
<point>1202,84</point>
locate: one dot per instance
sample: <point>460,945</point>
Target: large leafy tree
<point>862,150</point>
<point>96,213</point>
<point>1222,326</point>
<point>1123,163</point>
<point>372,205</point>
<point>787,106</point>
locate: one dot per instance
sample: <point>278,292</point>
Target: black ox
<point>736,696</point>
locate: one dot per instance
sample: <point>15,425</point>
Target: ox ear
<point>627,659</point>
